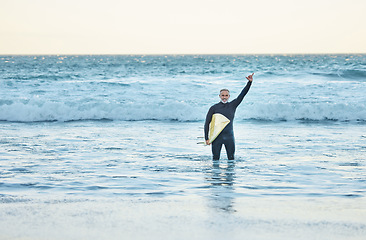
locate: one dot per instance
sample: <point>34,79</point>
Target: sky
<point>182,26</point>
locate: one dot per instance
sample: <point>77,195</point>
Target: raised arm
<point>244,92</point>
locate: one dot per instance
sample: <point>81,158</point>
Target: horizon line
<point>173,54</point>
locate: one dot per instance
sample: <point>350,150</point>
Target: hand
<point>250,78</point>
<point>208,142</point>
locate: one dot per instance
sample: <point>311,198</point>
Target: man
<point>227,109</point>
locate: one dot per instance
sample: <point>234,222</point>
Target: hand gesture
<point>250,78</point>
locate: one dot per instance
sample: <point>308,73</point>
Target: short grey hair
<point>224,89</point>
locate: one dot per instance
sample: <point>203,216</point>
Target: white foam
<point>176,110</point>
<point>305,111</point>
<point>53,111</point>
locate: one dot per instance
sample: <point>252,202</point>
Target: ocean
<point>105,147</point>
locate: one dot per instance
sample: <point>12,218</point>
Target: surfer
<point>226,137</point>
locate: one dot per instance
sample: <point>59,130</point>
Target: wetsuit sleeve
<point>208,120</point>
<point>241,96</point>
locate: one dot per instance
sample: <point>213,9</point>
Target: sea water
<point>105,147</point>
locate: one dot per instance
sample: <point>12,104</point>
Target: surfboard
<point>217,124</point>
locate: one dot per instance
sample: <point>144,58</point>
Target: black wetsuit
<point>226,137</point>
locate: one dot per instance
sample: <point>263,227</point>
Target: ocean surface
<point>105,147</point>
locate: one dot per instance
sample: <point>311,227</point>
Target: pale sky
<point>182,26</point>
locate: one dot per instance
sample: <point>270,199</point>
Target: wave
<point>306,111</point>
<point>55,111</point>
<point>351,74</point>
<point>176,111</point>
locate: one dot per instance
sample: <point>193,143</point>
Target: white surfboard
<point>217,124</point>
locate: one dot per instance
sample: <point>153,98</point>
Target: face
<point>224,96</point>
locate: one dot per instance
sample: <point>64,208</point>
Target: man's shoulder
<point>216,105</point>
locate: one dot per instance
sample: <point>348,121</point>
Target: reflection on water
<point>221,181</point>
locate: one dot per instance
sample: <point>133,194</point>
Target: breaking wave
<point>177,111</point>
